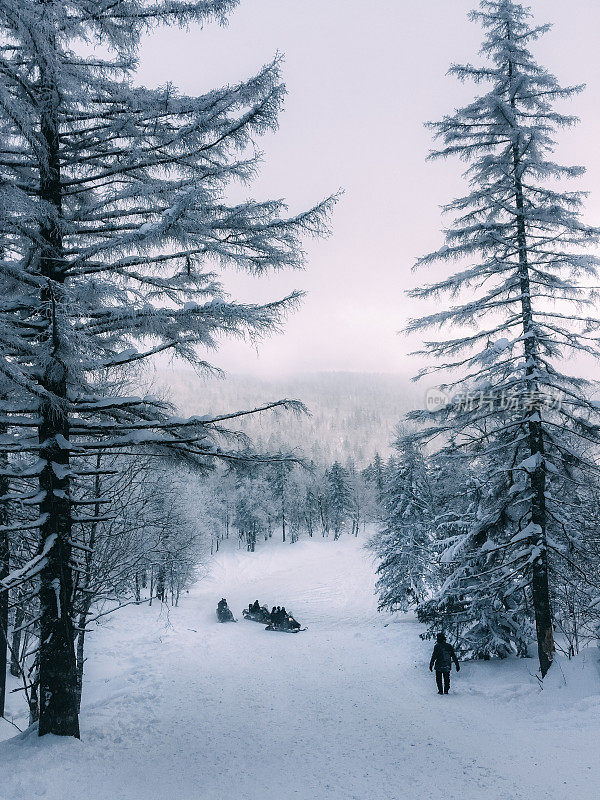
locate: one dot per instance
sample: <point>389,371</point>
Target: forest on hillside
<point>349,416</point>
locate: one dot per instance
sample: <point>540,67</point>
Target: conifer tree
<point>278,481</point>
<point>114,218</point>
<point>522,307</point>
<point>339,503</point>
<point>374,474</point>
<point>405,543</point>
<point>479,621</point>
<point>379,475</point>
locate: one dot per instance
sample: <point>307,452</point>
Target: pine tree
<point>339,503</point>
<point>277,477</point>
<point>405,543</point>
<point>379,476</point>
<point>374,479</point>
<point>113,218</point>
<point>310,498</point>
<point>522,288</point>
<point>460,602</point>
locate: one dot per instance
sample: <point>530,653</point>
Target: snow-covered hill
<point>178,706</point>
<point>352,415</point>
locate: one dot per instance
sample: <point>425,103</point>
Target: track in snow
<point>179,706</point>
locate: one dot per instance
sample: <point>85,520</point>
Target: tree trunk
<point>34,680</point>
<point>322,516</point>
<point>58,703</point>
<point>283,501</point>
<point>4,570</point>
<point>309,525</point>
<point>58,674</point>
<point>86,599</point>
<point>540,588</point>
<point>543,613</point>
<point>15,646</point>
<point>160,581</point>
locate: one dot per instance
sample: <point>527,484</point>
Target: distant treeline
<point>351,415</point>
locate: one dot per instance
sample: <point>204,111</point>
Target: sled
<point>282,629</point>
<point>262,616</point>
<point>227,617</point>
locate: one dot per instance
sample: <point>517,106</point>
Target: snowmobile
<point>261,615</point>
<point>288,625</point>
<point>224,612</point>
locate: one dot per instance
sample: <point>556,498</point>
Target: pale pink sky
<point>362,79</point>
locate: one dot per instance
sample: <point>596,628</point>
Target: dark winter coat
<point>443,656</point>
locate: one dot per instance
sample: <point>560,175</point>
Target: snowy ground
<point>177,706</point>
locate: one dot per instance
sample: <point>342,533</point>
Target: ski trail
<point>179,706</point>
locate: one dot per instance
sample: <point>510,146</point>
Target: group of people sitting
<point>278,617</point>
<point>257,613</point>
<point>281,619</point>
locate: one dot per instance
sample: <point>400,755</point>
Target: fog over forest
<point>351,415</point>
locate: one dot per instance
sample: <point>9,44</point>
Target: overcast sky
<point>362,78</point>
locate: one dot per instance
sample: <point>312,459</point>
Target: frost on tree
<point>114,221</point>
<point>339,497</point>
<point>521,306</point>
<point>404,544</point>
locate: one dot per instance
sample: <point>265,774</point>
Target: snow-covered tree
<point>339,497</point>
<point>114,216</point>
<point>278,479</point>
<point>310,483</point>
<point>521,289</point>
<point>255,506</point>
<point>480,623</point>
<point>299,502</point>
<point>212,499</point>
<point>404,545</point>
<point>143,527</point>
<point>374,474</point>
<point>363,503</point>
<point>576,584</point>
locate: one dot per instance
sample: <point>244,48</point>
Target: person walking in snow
<point>442,657</point>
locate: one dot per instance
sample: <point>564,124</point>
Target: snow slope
<point>179,706</point>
